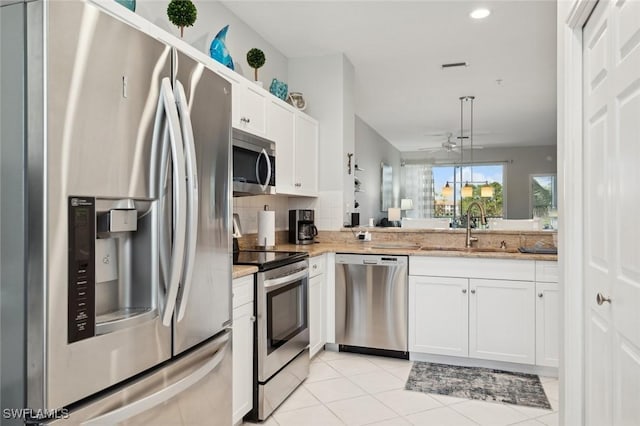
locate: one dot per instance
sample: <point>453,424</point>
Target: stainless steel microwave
<point>254,164</point>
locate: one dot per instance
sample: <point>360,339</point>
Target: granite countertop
<point>400,248</point>
<point>243,270</point>
<point>408,249</point>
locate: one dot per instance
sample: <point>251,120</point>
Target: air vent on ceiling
<point>454,65</point>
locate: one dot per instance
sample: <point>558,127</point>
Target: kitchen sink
<point>471,249</point>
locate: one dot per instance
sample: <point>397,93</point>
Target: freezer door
<point>102,80</point>
<point>195,389</point>
<point>204,304</point>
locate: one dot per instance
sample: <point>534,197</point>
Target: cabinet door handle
<point>473,291</point>
<point>600,299</point>
<point>540,294</point>
<point>245,120</point>
<point>464,291</point>
<point>253,318</point>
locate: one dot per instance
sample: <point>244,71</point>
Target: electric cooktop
<point>265,259</point>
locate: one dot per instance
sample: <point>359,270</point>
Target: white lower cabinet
<point>243,321</point>
<point>476,308</point>
<point>439,315</point>
<point>502,320</point>
<point>547,324</point>
<point>317,304</point>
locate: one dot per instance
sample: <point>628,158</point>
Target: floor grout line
<point>388,368</point>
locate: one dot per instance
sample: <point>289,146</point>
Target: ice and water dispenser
<point>112,266</point>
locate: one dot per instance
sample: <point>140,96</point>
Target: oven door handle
<point>276,283</point>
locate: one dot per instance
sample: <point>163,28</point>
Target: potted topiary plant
<point>182,13</point>
<point>256,59</point>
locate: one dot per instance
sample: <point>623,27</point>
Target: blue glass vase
<point>278,88</point>
<point>129,4</point>
<point>218,49</point>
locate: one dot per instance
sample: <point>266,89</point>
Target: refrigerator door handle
<point>192,198</point>
<point>168,102</point>
<point>148,402</point>
<point>268,179</point>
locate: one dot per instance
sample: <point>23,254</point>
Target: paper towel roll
<point>266,228</point>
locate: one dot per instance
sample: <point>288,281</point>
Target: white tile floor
<point>349,389</point>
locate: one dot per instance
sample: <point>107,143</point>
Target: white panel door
<point>439,315</point>
<point>502,320</point>
<point>611,128</point>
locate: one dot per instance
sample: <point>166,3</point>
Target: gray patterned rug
<point>478,383</point>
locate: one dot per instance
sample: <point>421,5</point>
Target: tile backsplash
<point>327,207</point>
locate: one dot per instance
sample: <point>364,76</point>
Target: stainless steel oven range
<point>282,326</point>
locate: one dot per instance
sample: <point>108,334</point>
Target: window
<point>477,176</point>
<point>543,200</point>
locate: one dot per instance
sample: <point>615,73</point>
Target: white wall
<point>327,83</point>
<point>212,16</point>
<point>370,150</point>
<point>519,164</point>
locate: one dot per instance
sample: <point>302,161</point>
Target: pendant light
<point>467,190</point>
<point>447,191</point>
<point>486,190</point>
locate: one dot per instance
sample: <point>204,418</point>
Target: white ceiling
<point>397,48</point>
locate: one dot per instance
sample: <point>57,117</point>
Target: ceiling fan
<point>451,145</point>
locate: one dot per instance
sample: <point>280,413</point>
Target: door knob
<point>600,299</point>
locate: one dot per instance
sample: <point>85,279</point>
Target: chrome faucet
<point>483,220</point>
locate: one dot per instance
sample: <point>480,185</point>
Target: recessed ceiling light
<point>480,13</point>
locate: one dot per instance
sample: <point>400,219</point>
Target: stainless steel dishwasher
<point>371,304</point>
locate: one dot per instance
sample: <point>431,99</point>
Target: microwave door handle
<point>263,187</point>
<point>179,199</point>
<point>276,283</point>
<point>192,199</point>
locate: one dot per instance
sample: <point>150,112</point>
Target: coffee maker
<point>301,227</point>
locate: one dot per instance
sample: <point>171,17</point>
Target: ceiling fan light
<point>480,13</point>
<point>447,191</point>
<point>486,190</point>
<point>467,190</point>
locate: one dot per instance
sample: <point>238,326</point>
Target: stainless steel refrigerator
<point>115,215</point>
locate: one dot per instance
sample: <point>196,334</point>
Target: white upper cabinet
<point>280,129</point>
<point>306,155</point>
<point>249,111</point>
<point>296,137</point>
